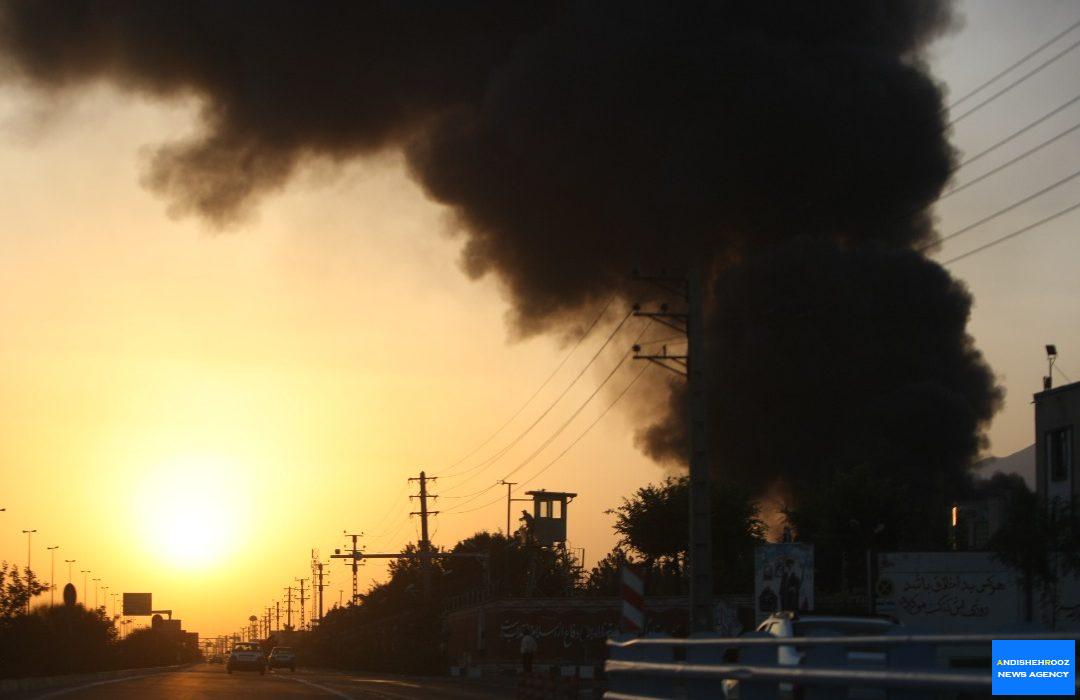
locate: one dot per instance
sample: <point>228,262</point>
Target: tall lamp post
<point>52,575</point>
<point>96,582</point>
<point>85,585</point>
<point>29,534</point>
<point>104,600</point>
<point>69,562</point>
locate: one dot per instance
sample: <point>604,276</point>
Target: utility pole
<point>288,607</point>
<point>52,575</point>
<point>319,565</point>
<point>692,366</point>
<point>425,542</point>
<point>29,534</point>
<point>509,486</point>
<point>69,562</point>
<point>355,564</point>
<point>302,599</point>
<point>277,613</point>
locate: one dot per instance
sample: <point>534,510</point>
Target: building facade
<point>1057,415</point>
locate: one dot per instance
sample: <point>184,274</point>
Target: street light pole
<point>85,586</point>
<point>52,575</point>
<point>96,582</point>
<point>69,562</point>
<point>29,534</point>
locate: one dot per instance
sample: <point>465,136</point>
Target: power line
<point>1062,373</point>
<point>644,366</point>
<point>391,508</point>
<point>575,414</point>
<point>559,430</point>
<point>501,498</point>
<point>1016,82</point>
<point>540,388</point>
<point>1016,64</point>
<point>570,446</point>
<point>1014,234</point>
<point>494,458</point>
<point>1007,163</point>
<point>1019,132</point>
<point>470,495</point>
<point>999,212</point>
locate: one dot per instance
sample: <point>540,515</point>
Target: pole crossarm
<point>674,321</point>
<point>411,555</point>
<point>663,360</point>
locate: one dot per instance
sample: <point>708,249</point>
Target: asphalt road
<point>211,681</point>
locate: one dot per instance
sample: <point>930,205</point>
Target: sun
<point>189,509</point>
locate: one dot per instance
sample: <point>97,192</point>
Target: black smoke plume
<point>791,147</point>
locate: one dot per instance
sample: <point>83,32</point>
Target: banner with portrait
<point>783,578</point>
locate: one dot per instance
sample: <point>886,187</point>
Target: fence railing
<point>894,665</point>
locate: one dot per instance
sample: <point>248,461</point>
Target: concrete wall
<point>1054,409</point>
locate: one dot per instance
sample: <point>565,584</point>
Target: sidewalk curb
<point>16,685</point>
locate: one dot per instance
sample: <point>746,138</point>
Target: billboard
<point>948,591</point>
<point>137,604</point>
<point>783,578</point>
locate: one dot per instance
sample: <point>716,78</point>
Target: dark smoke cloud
<point>576,141</point>
<point>827,358</point>
<point>280,81</point>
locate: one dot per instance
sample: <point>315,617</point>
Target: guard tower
<point>548,522</point>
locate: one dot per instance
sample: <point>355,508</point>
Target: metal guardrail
<point>655,667</point>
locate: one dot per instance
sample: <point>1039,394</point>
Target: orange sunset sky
<point>189,412</point>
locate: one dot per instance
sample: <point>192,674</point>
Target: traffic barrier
<point>649,668</point>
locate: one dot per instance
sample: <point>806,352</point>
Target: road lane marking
<point>323,688</point>
<point>66,691</point>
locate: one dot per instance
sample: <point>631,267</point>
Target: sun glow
<point>189,510</point>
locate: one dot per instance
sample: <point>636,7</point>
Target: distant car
<point>789,624</point>
<point>246,656</point>
<point>282,657</point>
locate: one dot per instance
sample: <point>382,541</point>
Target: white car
<point>246,656</point>
<point>788,624</point>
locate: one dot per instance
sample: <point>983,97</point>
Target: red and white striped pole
<point>633,599</point>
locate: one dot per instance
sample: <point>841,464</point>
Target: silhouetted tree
<point>16,590</point>
<point>856,511</point>
<point>1041,540</point>
<point>653,524</point>
<point>603,579</point>
<point>149,647</point>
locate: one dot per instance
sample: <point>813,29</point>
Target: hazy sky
<point>189,412</point>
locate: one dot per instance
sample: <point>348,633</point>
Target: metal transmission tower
<point>288,607</point>
<point>692,366</point>
<point>355,564</point>
<point>302,599</point>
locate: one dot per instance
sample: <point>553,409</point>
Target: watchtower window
<point>1059,453</point>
